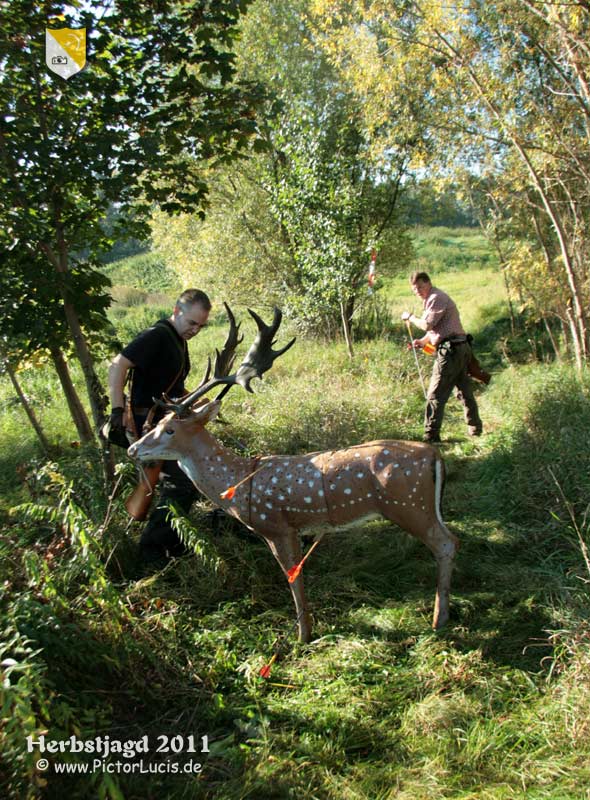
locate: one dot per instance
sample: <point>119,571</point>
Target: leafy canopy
<point>154,103</point>
<point>296,224</point>
<point>156,90</point>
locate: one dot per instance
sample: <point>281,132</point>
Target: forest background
<point>264,151</point>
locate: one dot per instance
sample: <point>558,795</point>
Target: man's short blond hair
<point>191,296</point>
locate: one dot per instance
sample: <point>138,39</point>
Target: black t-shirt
<point>159,355</point>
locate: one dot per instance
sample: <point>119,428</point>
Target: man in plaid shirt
<point>443,328</point>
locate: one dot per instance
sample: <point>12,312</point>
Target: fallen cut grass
<point>496,706</point>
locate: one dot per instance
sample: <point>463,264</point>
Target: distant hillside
<point>144,271</point>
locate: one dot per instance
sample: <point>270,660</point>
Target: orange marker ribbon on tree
<point>372,272</point>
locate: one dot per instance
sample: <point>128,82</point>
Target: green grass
<point>377,707</point>
<point>452,250</point>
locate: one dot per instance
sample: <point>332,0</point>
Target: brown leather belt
<point>452,340</point>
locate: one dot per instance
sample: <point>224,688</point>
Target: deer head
<point>172,436</point>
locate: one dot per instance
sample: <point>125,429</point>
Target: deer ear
<point>207,412</point>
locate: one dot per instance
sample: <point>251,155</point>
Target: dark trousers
<point>449,372</point>
<point>158,539</point>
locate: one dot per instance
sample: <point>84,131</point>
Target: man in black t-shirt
<point>157,362</point>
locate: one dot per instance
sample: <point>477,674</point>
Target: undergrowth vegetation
<point>378,706</point>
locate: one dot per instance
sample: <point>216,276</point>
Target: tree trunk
<point>574,335</point>
<point>495,242</point>
<point>565,336</point>
<point>579,331</point>
<point>77,410</point>
<point>551,268</point>
<point>504,272</point>
<point>28,409</point>
<point>577,313</point>
<point>96,394</point>
<point>552,339</point>
<point>346,329</point>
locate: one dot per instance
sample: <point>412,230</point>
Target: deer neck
<point>213,468</point>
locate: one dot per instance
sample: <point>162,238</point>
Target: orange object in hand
<point>429,349</point>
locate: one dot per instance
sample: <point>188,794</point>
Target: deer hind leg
<point>287,551</point>
<point>429,528</point>
<point>443,545</point>
<point>444,552</point>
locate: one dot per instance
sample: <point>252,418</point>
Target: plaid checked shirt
<point>441,316</point>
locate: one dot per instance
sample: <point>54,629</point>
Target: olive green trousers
<point>450,372</point>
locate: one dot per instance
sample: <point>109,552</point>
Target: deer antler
<point>224,361</point>
<point>258,360</point>
<point>260,356</point>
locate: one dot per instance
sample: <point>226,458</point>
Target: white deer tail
<point>439,487</point>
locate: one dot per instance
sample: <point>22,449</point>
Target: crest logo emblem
<point>65,50</point>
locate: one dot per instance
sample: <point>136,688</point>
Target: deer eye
<point>169,431</point>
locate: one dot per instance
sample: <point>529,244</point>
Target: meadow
<point>378,707</point>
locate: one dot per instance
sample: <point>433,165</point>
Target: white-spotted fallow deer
<point>278,497</point>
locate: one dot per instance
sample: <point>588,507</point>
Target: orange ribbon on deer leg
<point>293,573</point>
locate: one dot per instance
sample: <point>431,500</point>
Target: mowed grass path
<point>378,706</point>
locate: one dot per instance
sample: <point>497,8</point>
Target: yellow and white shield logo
<point>65,50</point>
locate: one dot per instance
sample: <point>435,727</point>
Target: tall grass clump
<point>56,659</point>
<point>541,442</point>
<point>538,487</point>
<point>82,653</point>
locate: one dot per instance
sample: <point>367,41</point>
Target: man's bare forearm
<point>118,370</point>
<point>419,322</point>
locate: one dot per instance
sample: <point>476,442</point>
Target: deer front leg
<point>287,551</point>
